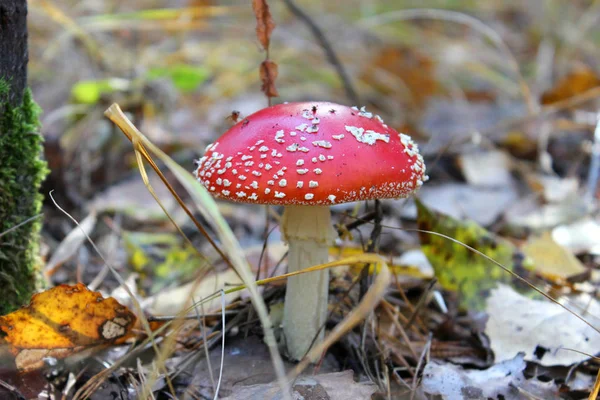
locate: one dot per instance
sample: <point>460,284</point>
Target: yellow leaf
<point>460,269</point>
<point>65,319</point>
<point>551,260</point>
<point>578,81</point>
<point>395,267</point>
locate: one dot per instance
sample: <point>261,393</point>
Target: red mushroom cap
<point>311,153</point>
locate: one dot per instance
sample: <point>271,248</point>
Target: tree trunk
<point>21,169</point>
<point>13,47</point>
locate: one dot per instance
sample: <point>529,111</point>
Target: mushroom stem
<point>308,231</point>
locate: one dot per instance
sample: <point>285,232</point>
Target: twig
<point>356,223</point>
<point>20,224</point>
<point>327,48</point>
<point>420,303</point>
<point>421,359</point>
<point>372,247</point>
<point>12,389</point>
<point>387,308</point>
<point>265,250</point>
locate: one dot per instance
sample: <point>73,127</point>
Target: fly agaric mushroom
<point>306,157</point>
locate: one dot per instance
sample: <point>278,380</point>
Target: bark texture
<point>21,168</point>
<point>13,50</point>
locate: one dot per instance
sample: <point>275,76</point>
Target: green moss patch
<point>21,174</point>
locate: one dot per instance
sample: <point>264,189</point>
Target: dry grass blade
<point>115,114</point>
<point>141,154</point>
<point>202,320</point>
<point>20,224</point>
<point>514,274</point>
<point>85,390</point>
<point>170,342</point>
<point>52,11</point>
<point>168,19</point>
<point>209,209</point>
<point>596,389</point>
<point>222,345</point>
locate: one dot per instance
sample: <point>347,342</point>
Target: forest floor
<point>502,98</point>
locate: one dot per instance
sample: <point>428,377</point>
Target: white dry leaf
<point>131,197</point>
<point>558,189</point>
<point>529,213</point>
<point>481,204</point>
<point>121,293</point>
<point>416,258</point>
<point>540,329</point>
<point>582,236</point>
<point>486,168</point>
<point>501,381</point>
<point>581,381</point>
<point>172,301</point>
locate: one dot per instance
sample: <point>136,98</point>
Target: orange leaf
<point>264,22</point>
<point>268,74</point>
<point>575,83</point>
<point>63,320</point>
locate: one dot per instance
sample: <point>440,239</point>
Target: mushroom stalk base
<point>308,231</point>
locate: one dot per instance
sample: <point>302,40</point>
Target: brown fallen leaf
<point>403,67</point>
<point>264,22</point>
<point>268,74</point>
<point>62,321</point>
<point>575,83</point>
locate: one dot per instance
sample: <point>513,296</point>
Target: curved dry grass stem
<point>202,326</point>
<point>115,114</point>
<point>222,345</point>
<point>138,307</point>
<point>514,274</point>
<point>368,303</point>
<point>465,19</point>
<point>170,342</point>
<point>506,269</point>
<point>20,224</point>
<point>210,211</point>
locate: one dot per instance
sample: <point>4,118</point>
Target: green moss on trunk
<point>21,174</point>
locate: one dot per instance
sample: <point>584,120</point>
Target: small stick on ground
<point>372,247</point>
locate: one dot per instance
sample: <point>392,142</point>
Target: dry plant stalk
<point>264,27</point>
<point>363,309</point>
<point>210,211</point>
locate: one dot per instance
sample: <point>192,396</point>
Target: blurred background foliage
<point>460,76</point>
